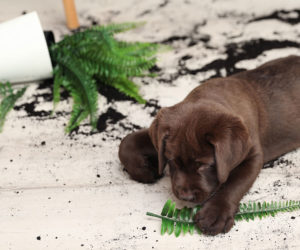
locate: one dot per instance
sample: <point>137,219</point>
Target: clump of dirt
<point>111,116</point>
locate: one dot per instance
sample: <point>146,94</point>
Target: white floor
<point>62,192</point>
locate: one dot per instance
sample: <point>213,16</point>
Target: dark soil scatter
<point>164,4</point>
<point>185,58</point>
<point>243,51</point>
<point>144,13</point>
<point>277,162</point>
<point>38,238</point>
<point>92,20</point>
<point>288,16</point>
<point>30,107</point>
<point>43,143</point>
<point>131,126</point>
<point>172,39</point>
<point>48,85</point>
<point>235,52</point>
<point>192,39</point>
<point>155,69</point>
<point>144,228</point>
<point>152,103</point>
<point>111,116</point>
<point>270,164</point>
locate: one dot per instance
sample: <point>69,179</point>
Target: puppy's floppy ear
<point>158,138</point>
<point>230,139</point>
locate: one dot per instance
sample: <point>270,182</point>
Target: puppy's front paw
<point>216,217</point>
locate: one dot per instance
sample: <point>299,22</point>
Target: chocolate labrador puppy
<point>217,139</point>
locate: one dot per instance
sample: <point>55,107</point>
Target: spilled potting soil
<point>231,53</point>
<point>225,65</point>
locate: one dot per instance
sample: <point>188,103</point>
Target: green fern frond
<point>182,220</point>
<point>77,116</point>
<point>8,99</point>
<point>94,54</point>
<point>5,89</point>
<point>56,85</point>
<point>83,87</point>
<point>128,88</point>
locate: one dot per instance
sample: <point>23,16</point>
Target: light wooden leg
<point>71,14</point>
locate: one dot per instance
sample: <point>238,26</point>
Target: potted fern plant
<point>86,60</point>
<point>83,62</point>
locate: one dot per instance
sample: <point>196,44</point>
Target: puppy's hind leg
<point>139,157</point>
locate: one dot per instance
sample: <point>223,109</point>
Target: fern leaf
<point>170,227</point>
<point>171,210</point>
<point>183,218</point>
<point>166,208</point>
<point>178,228</point>
<point>185,227</point>
<point>9,98</point>
<point>128,88</point>
<point>191,228</point>
<point>56,86</point>
<point>164,226</point>
<point>84,86</point>
<point>77,116</point>
<point>5,89</point>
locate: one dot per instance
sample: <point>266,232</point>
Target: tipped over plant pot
<point>24,55</point>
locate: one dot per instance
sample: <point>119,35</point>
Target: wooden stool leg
<point>71,14</point>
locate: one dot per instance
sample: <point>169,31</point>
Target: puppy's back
<point>276,74</point>
<point>277,84</point>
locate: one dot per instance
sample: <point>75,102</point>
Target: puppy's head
<point>201,145</point>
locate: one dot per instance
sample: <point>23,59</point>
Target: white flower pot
<point>24,55</point>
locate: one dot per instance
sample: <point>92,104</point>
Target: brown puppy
<point>217,139</point>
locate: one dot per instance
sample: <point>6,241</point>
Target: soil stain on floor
<point>288,16</point>
<point>111,116</point>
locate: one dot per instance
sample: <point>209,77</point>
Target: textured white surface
<point>72,192</point>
